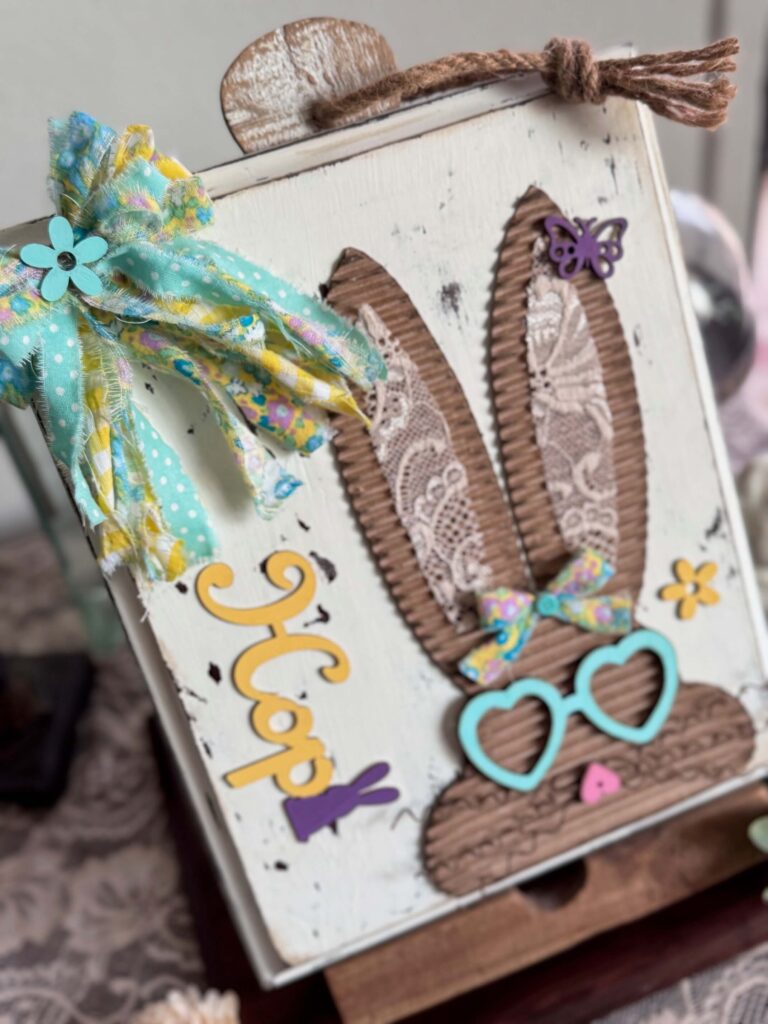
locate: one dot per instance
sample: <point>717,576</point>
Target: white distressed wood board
<point>427,193</point>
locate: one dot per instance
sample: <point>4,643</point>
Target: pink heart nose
<point>598,782</point>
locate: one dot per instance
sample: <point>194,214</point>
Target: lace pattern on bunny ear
<point>571,414</point>
<point>428,482</point>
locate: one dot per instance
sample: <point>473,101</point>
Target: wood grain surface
<point>268,90</point>
<point>508,932</point>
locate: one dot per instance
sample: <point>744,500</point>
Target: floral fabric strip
<point>511,615</point>
<point>124,281</point>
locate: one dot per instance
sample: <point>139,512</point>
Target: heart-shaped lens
<point>506,700</point>
<point>619,654</point>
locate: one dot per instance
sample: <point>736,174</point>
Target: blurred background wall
<point>160,62</point>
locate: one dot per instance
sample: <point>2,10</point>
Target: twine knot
<point>662,81</point>
<point>572,72</point>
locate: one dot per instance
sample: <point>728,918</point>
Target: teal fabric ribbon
<point>126,280</point>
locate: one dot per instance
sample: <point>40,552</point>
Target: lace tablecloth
<point>732,993</point>
<point>93,921</point>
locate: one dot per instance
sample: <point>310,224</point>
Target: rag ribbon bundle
<point>124,282</point>
<point>512,614</point>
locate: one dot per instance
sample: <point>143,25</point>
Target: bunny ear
<point>568,419</point>
<point>421,482</point>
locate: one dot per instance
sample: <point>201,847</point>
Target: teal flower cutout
<point>64,260</point>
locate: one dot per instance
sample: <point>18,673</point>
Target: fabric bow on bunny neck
<point>512,614</point>
<point>124,282</point>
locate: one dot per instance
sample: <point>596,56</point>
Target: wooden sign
<point>516,618</point>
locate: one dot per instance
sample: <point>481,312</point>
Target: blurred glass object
<point>57,515</point>
<point>721,290</point>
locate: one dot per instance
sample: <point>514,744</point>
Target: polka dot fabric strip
<point>179,501</point>
<point>268,360</point>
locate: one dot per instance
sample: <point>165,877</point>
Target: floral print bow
<point>512,614</point>
<point>125,281</point>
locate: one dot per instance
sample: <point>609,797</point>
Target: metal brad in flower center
<point>66,260</point>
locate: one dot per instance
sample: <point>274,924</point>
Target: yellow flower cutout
<point>691,588</point>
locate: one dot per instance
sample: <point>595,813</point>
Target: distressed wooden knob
<point>268,90</point>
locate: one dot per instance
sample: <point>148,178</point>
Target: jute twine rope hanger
<point>570,69</point>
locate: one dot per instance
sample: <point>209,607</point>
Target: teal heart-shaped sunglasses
<point>560,707</point>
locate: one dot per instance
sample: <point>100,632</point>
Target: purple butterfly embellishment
<point>573,246</point>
